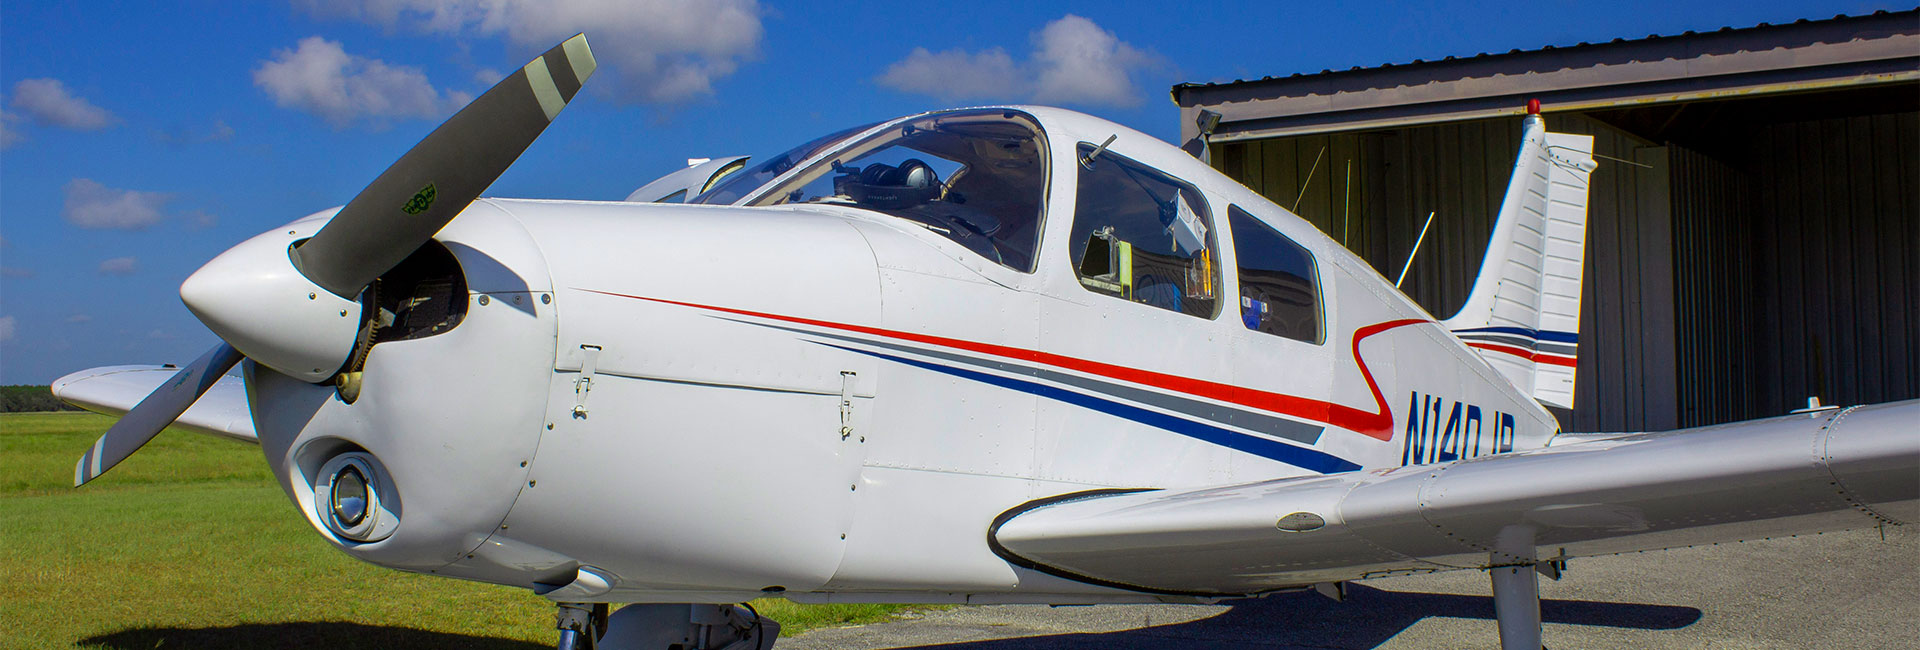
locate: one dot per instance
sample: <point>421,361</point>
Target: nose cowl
<point>255,300</point>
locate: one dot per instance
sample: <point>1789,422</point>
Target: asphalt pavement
<point>1838,590</point>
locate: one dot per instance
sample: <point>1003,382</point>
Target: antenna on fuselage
<point>1087,162</point>
<point>1415,251</point>
<point>1303,184</point>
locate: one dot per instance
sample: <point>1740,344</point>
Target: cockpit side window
<point>1279,289</point>
<point>1143,236</point>
<point>976,177</point>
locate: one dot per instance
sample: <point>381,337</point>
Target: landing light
<point>353,499</point>
<point>349,496</point>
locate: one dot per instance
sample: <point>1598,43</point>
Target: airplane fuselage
<point>712,403</point>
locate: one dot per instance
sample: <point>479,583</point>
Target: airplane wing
<point>114,390</point>
<point>1805,473</point>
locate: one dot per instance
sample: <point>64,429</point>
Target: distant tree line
<point>20,399</point>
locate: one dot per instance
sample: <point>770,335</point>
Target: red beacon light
<point>1533,106</point>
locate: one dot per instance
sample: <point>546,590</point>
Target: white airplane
<point>992,355</point>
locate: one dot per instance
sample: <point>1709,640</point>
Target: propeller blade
<point>154,413</point>
<point>439,177</point>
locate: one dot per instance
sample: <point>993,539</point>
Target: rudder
<point>1523,315</point>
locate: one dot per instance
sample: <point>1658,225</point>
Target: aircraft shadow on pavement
<point>305,635</point>
<point>1368,618</point>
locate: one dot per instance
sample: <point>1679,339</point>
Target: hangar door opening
<point>1743,255</point>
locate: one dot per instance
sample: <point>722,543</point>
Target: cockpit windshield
<point>747,180</point>
<point>976,177</point>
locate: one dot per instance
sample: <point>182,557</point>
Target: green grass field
<point>190,544</point>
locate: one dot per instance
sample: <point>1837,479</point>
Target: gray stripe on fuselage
<point>1557,348</point>
<point>1277,427</point>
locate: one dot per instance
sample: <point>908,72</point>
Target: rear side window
<point>1279,290</point>
<point>1143,236</point>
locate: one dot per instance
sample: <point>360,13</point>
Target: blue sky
<point>140,139</point>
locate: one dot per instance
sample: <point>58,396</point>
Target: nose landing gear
<point>581,625</point>
<point>675,626</point>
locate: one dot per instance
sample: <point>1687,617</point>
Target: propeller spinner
<point>293,304</point>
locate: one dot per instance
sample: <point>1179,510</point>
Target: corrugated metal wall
<point>1718,299</point>
<point>1839,282</point>
<point>1685,319</point>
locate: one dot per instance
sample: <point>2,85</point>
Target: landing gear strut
<point>1516,605</point>
<point>581,625</point>
<point>678,626</point>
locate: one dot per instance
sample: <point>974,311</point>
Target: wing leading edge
<point>1824,471</point>
<point>114,390</point>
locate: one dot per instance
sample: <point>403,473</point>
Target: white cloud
<point>48,103</point>
<point>319,77</point>
<point>955,74</point>
<point>1074,61</point>
<point>119,266</point>
<point>94,206</point>
<point>1081,63</point>
<point>6,328</point>
<point>655,51</point>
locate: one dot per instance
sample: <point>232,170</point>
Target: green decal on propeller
<point>421,200</point>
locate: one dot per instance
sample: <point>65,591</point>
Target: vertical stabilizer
<point>1523,315</point>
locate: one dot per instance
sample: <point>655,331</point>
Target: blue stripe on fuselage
<point>1302,457</point>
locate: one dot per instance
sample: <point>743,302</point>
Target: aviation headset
<point>888,187</point>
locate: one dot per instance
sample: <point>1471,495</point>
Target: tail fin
<point>1523,315</point>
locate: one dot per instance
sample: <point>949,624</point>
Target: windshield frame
<point>815,147</point>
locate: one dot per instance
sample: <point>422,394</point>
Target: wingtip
<point>89,466</point>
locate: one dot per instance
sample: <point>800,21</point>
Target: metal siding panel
<point>1453,247</point>
<point>1631,337</point>
<point>1712,292</point>
<point>1839,223</point>
<point>1813,204</point>
<point>1655,290</point>
<point>1787,265</point>
<point>1772,253</point>
<point>1866,293</point>
<point>1897,246</point>
<point>1838,230</point>
<point>1793,263</point>
<point>1715,272</point>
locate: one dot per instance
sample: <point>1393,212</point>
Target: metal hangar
<point>1754,232</point>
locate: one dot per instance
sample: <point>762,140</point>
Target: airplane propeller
<point>435,180</point>
<point>264,300</point>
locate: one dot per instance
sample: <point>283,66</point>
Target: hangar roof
<point>1883,47</point>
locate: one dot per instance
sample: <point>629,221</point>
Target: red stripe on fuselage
<point>1537,357</point>
<point>1377,425</point>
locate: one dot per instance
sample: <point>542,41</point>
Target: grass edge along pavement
<point>190,543</point>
